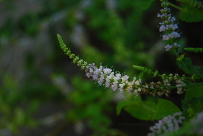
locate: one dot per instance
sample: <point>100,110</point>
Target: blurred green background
<point>43,94</point>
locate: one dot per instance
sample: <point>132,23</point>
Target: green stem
<point>177,7</point>
<point>197,84</point>
<point>176,53</point>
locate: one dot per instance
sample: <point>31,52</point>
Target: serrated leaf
<point>193,92</point>
<point>191,14</point>
<point>192,106</point>
<point>193,100</point>
<point>198,70</point>
<point>149,109</point>
<point>186,65</point>
<point>124,103</point>
<point>164,108</point>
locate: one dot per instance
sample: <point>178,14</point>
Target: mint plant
<point>174,120</point>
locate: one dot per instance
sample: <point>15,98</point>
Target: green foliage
<point>191,14</point>
<point>143,69</point>
<point>151,109</point>
<point>192,102</point>
<point>146,70</point>
<point>185,64</point>
<point>90,105</point>
<point>194,49</point>
<point>30,24</point>
<point>13,116</point>
<point>194,3</point>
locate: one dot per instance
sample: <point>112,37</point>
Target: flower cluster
<point>167,124</point>
<point>168,26</point>
<point>180,84</point>
<point>198,123</point>
<point>164,87</point>
<point>117,82</point>
<point>114,80</point>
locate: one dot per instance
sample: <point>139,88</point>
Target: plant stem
<point>197,84</point>
<point>177,7</point>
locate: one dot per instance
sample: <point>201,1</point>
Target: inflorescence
<point>168,27</point>
<point>198,123</point>
<point>117,82</point>
<point>167,124</point>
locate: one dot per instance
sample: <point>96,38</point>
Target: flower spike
<point>168,27</point>
<point>118,82</point>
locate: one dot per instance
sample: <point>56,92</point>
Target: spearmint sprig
<point>168,27</point>
<point>103,75</point>
<point>118,82</point>
<point>167,124</point>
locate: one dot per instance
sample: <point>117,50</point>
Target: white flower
<point>166,37</point>
<point>125,78</point>
<point>162,28</point>
<point>101,80</point>
<point>198,123</point>
<point>165,10</point>
<point>179,90</point>
<point>138,82</point>
<point>176,45</point>
<point>88,74</point>
<point>168,26</point>
<point>108,78</point>
<point>114,86</point>
<point>174,35</point>
<point>172,19</point>
<point>173,26</point>
<point>139,89</point>
<point>167,124</point>
<point>168,47</point>
<point>121,86</point>
<point>107,70</point>
<point>107,84</point>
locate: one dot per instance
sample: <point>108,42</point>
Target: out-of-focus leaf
<point>191,14</point>
<point>149,109</point>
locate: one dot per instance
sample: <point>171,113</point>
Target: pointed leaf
<point>193,92</point>
<point>149,109</point>
<point>124,103</point>
<point>191,14</point>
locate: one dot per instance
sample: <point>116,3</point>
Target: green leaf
<point>121,105</point>
<point>185,65</point>
<point>181,57</point>
<point>193,100</point>
<point>192,107</point>
<point>194,49</point>
<point>193,92</point>
<point>198,70</point>
<point>164,108</point>
<point>143,69</point>
<point>191,14</point>
<point>19,116</point>
<point>149,109</point>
